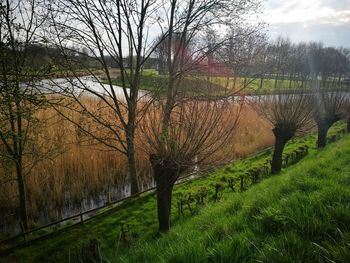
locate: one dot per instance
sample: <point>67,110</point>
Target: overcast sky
<point>304,20</point>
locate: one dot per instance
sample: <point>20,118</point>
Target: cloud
<point>319,20</point>
<point>337,5</point>
<point>293,11</point>
<point>330,35</point>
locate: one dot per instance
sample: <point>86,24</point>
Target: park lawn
<point>140,214</point>
<point>153,82</point>
<point>250,85</point>
<point>150,80</point>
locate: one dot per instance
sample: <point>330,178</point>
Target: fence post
<point>23,232</point>
<point>242,182</point>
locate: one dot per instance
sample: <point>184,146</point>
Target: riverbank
<point>140,213</point>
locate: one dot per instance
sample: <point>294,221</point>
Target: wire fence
<point>24,236</point>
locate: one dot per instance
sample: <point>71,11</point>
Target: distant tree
<point>304,61</point>
<point>329,104</point>
<point>289,113</point>
<point>161,54</point>
<point>244,51</point>
<point>299,64</point>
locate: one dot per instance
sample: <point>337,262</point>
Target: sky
<point>305,20</point>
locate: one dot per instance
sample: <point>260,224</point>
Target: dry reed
<point>87,173</point>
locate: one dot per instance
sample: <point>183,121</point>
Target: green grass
<point>300,215</point>
<point>151,81</point>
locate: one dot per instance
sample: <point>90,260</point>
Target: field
<point>153,82</point>
<point>302,214</point>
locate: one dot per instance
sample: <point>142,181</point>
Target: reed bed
<point>85,174</point>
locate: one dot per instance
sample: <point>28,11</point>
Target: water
<point>88,85</point>
<point>10,224</point>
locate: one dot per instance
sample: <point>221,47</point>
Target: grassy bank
<point>303,211</point>
<point>301,215</point>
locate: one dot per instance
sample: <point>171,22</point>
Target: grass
<point>303,211</point>
<point>151,81</point>
<point>301,215</point>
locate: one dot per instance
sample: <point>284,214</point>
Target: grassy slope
<point>141,215</point>
<point>301,215</point>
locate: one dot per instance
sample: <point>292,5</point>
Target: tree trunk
<point>261,82</point>
<point>165,176</point>
<point>276,164</point>
<point>348,124</point>
<point>290,80</point>
<point>282,136</point>
<point>322,135</point>
<point>164,193</point>
<point>22,196</point>
<point>234,81</point>
<point>339,78</point>
<point>132,168</point>
<point>162,66</point>
<point>130,132</point>
<point>302,81</point>
<point>134,187</point>
<point>276,80</point>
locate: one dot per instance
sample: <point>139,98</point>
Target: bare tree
<point>284,60</point>
<point>289,113</point>
<point>184,132</point>
<point>329,104</point>
<point>119,30</point>
<point>244,51</point>
<point>197,129</point>
<point>19,97</point>
<point>161,54</point>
